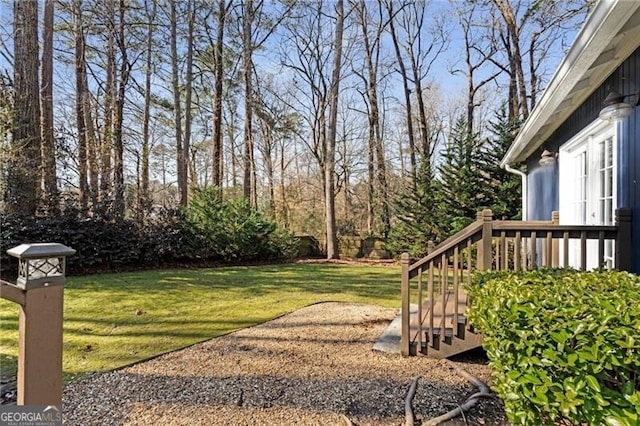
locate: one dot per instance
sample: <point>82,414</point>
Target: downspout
<point>523,176</point>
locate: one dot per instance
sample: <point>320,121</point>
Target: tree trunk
<point>268,163</point>
<point>517,83</point>
<point>109,112</point>
<point>186,144</point>
<point>216,149</point>
<point>144,199</point>
<point>417,84</point>
<point>371,191</point>
<point>80,118</point>
<point>329,171</point>
<point>177,106</point>
<point>249,180</point>
<point>375,131</point>
<point>23,171</point>
<point>285,207</point>
<point>118,163</point>
<point>48,152</point>
<point>407,94</point>
<point>92,143</point>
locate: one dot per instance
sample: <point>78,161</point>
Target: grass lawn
<point>112,320</point>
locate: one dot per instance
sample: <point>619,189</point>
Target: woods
<point>332,118</point>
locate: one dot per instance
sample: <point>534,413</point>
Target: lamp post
<point>39,292</point>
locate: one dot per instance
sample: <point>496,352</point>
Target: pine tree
<point>464,180</point>
<point>506,188</point>
<point>416,214</point>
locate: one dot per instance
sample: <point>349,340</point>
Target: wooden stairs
<point>458,338</point>
<point>436,282</point>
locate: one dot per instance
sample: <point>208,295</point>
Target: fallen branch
<point>408,403</point>
<point>469,403</point>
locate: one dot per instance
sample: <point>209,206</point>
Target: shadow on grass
<point>377,282</point>
<point>160,311</point>
<point>8,368</point>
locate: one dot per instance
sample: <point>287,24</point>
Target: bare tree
<point>405,89</point>
<point>143,196</point>
<point>306,53</point>
<point>257,25</point>
<point>477,54</point>
<point>370,77</point>
<point>420,43</point>
<point>249,181</point>
<point>177,102</point>
<point>527,30</point>
<point>106,183</point>
<point>329,170</point>
<point>216,147</point>
<point>188,116</point>
<point>118,147</point>
<point>277,124</point>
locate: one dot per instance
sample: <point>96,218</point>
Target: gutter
<point>525,194</point>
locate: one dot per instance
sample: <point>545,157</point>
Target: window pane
<point>601,155</point>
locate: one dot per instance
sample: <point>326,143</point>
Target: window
<point>588,186</point>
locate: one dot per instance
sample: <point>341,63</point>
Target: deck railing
<point>498,244</point>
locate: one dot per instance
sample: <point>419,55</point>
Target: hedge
<point>237,233</point>
<point>564,345</point>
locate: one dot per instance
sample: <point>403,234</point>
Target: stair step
<point>457,337</point>
<point>448,332</point>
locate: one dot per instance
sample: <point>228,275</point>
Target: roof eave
<point>602,26</point>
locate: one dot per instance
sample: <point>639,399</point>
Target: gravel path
<point>312,367</point>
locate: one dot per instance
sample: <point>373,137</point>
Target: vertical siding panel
<point>543,185</point>
<point>633,175</point>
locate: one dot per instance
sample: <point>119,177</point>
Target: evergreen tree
<point>416,216</point>
<point>464,179</point>
<point>505,188</point>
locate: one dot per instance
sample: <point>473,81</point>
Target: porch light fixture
<point>547,158</point>
<point>615,108</point>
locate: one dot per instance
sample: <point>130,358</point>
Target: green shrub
<point>166,238</point>
<point>563,345</point>
<point>99,244</point>
<point>207,230</point>
<point>232,230</point>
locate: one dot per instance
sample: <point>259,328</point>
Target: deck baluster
<point>456,295</point>
<point>444,284</point>
<point>517,252</point>
<point>534,251</point>
<point>431,301</point>
<point>478,241</point>
<point>420,302</point>
<point>583,251</point>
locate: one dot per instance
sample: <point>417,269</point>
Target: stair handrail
<point>485,230</point>
<point>471,231</point>
<point>475,231</point>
